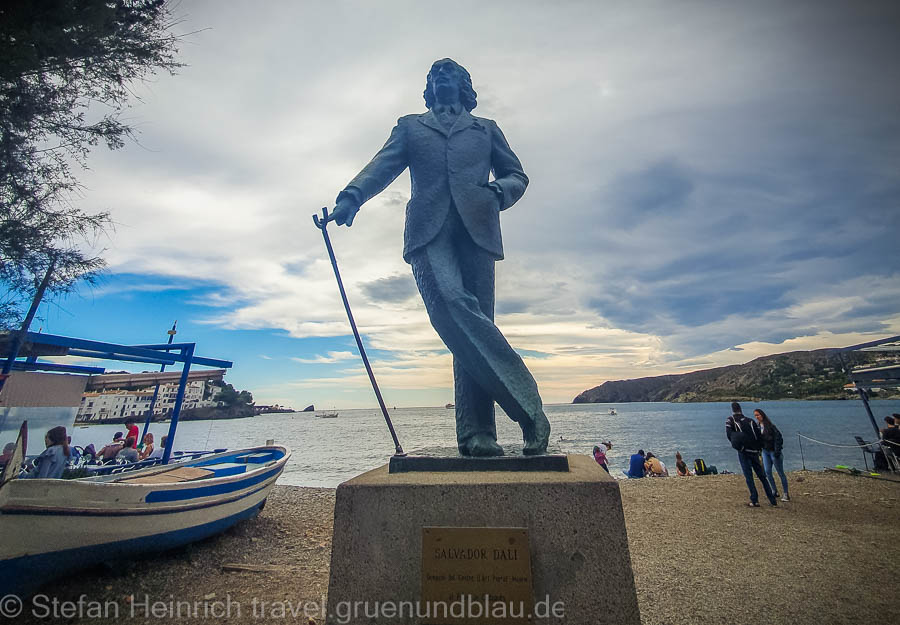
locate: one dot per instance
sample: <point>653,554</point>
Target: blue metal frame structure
<point>162,368</point>
<point>39,365</point>
<point>163,354</point>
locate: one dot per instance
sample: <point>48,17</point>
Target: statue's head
<point>467,95</point>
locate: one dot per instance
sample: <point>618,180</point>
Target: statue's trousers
<point>456,280</point>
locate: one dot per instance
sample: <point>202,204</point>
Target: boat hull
<point>53,527</point>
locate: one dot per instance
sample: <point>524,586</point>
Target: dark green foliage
<point>231,398</point>
<point>65,71</point>
<point>792,379</point>
<point>796,375</point>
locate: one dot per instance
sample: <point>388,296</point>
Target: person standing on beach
<point>600,454</point>
<point>132,432</point>
<point>746,438</point>
<point>773,443</point>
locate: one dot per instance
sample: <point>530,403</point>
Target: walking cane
<point>322,225</point>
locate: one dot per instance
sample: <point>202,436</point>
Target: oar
<point>322,224</point>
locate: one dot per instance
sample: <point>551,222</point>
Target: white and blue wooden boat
<point>51,527</point>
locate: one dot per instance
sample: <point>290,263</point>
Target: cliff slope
<point>793,375</point>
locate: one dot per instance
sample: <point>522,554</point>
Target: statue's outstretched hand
<point>344,212</point>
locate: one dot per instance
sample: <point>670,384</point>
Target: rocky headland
<point>818,374</point>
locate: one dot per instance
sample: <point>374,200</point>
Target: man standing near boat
<point>132,432</point>
<point>452,239</point>
<point>746,438</point>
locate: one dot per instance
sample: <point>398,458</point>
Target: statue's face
<point>445,79</point>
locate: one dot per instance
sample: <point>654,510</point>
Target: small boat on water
<point>52,527</point>
<point>612,412</point>
<point>327,415</point>
<point>449,406</point>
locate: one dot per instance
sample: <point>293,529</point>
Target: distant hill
<point>793,375</point>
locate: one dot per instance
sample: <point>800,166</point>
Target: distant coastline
<point>802,375</point>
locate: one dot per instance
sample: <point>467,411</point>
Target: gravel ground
<point>699,555</point>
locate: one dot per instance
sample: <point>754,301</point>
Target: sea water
<point>327,452</point>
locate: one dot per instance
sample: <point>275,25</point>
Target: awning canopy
<point>876,377</point>
<point>37,344</point>
<point>883,376</point>
<point>867,378</point>
<point>132,381</point>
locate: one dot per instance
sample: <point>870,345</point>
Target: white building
<point>197,394</point>
<point>99,406</point>
<point>113,403</point>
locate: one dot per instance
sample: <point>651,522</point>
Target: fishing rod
<point>322,224</point>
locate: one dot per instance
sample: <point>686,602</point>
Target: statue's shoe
<point>536,436</point>
<point>481,445</point>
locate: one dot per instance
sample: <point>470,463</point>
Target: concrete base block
<point>576,529</point>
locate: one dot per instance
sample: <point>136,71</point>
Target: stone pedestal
<point>574,520</point>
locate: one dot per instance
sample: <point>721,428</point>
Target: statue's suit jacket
<point>446,166</point>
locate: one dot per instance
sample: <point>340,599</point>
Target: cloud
<point>704,177</point>
<point>660,187</point>
<point>119,287</point>
<point>393,289</point>
<point>332,357</point>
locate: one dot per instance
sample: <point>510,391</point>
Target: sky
<point>709,182</point>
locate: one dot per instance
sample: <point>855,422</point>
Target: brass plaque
<point>476,575</point>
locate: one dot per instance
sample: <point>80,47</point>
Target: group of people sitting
<point>649,465</point>
<point>126,448</point>
<point>59,454</point>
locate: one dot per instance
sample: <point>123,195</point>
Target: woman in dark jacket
<point>773,443</point>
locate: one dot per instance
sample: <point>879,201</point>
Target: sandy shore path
<point>699,556</point>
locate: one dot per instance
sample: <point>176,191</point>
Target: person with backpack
<point>746,438</point>
<point>773,443</point>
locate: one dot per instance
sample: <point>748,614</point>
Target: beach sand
<point>699,556</point>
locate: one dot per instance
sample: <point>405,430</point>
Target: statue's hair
<point>467,95</point>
